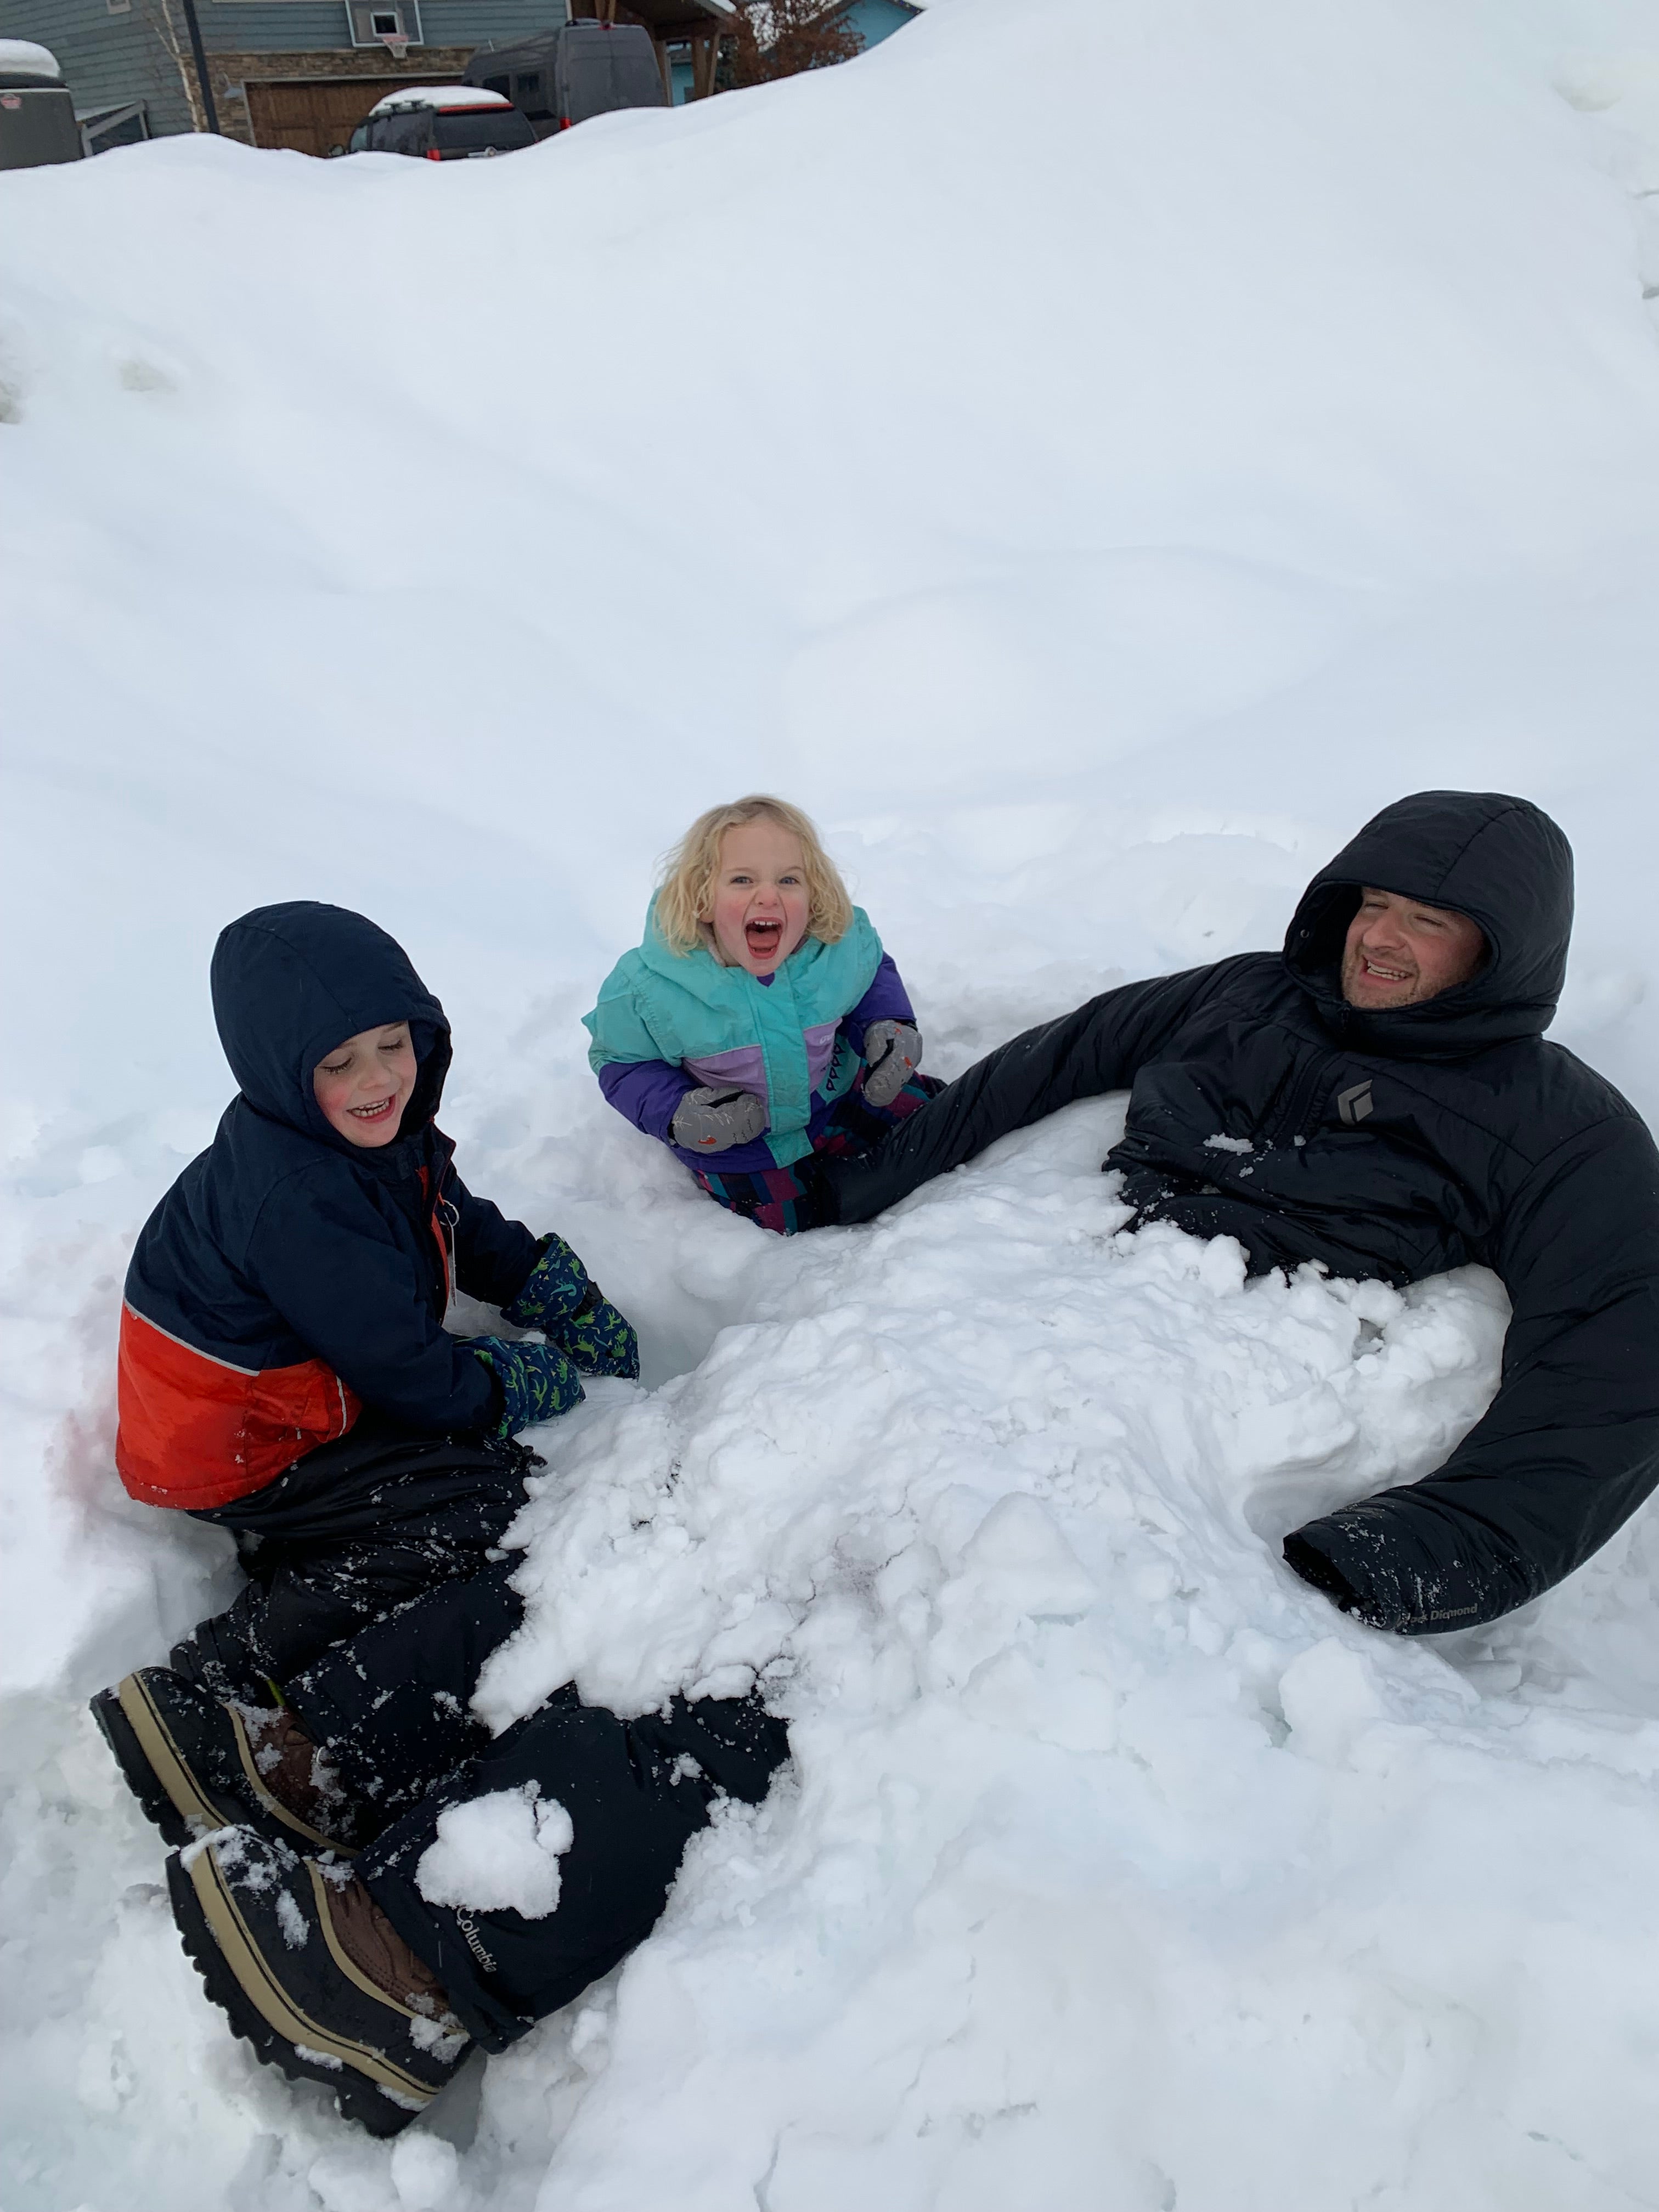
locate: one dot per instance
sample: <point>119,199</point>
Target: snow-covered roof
<point>22,57</point>
<point>439,95</point>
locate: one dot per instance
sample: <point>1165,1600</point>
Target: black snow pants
<point>354,1528</point>
<point>392,1706</point>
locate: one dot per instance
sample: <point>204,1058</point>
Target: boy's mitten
<point>599,1339</point>
<point>562,1300</point>
<point>709,1120</point>
<point>554,1286</point>
<point>536,1380</point>
<point>892,1052</point>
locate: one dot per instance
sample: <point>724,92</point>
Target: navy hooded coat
<point>289,1278</point>
<point>1394,1144</point>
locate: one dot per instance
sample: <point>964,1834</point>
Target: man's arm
<point>1097,1048</point>
<point>1568,1449</point>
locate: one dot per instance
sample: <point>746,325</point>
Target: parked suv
<point>441,122</point>
<point>581,69</point>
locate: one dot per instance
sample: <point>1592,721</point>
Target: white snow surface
<point>1092,488</point>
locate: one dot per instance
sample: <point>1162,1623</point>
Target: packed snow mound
<point>1092,455</point>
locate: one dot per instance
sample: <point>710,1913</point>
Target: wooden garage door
<point>313,117</point>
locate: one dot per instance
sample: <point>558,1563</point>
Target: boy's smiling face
<point>364,1084</point>
<point>761,902</point>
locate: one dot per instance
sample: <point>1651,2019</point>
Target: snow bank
<point>1092,487</point>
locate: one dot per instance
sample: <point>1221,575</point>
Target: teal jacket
<point>723,1025</point>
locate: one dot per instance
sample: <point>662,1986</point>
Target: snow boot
<point>307,1967</point>
<point>194,1763</point>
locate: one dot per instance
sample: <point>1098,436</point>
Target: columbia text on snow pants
<point>350,1530</point>
<point>392,1706</point>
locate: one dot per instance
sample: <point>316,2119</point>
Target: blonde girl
<point>759,1022</point>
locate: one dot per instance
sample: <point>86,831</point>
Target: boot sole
<point>131,1712</point>
<point>371,2089</point>
<point>141,1777</point>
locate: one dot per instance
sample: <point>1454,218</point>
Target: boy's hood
<point>292,982</point>
<point>1500,861</point>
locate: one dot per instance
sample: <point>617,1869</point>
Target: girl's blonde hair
<point>686,898</point>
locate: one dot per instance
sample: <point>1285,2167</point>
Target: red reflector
<point>433,155</point>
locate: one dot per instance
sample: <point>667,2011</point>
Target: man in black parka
<point>1395,1140</point>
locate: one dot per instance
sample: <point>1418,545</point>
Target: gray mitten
<point>892,1051</point>
<point>709,1120</point>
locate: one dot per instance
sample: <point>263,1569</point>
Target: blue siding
<point>287,26</point>
<point>107,60</point>
<point>876,20</point>
<point>467,23</point>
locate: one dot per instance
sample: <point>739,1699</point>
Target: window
<point>474,132</point>
<point>527,95</point>
<point>401,134</point>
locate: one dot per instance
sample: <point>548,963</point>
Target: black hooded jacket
<point>1394,1144</point>
<point>289,1277</point>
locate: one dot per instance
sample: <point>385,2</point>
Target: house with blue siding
<point>294,73</point>
<point>872,20</point>
<point>876,20</point>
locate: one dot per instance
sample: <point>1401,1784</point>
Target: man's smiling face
<point>1399,951</point>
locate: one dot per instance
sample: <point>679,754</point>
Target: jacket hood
<point>292,982</point>
<point>814,968</point>
<point>1500,861</point>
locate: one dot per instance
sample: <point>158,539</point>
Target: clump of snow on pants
<point>498,1853</point>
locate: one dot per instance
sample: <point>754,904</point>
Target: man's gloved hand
<point>537,1382</point>
<point>892,1052</point>
<point>562,1300</point>
<point>711,1120</point>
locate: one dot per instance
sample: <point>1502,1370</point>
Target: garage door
<point>314,118</point>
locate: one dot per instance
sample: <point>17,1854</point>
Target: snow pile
<point>1093,488</point>
<point>500,1853</point>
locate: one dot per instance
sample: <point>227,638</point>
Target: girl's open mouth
<point>762,937</point>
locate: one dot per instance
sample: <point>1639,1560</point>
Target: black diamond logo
<point>1354,1105</point>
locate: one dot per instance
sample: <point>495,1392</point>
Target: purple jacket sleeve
<point>648,1091</point>
<point>886,1000</point>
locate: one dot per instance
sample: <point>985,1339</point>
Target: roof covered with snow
<point>440,96</point>
<point>22,57</point>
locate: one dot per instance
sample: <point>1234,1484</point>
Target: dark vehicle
<point>442,122</point>
<point>37,110</point>
<point>580,71</point>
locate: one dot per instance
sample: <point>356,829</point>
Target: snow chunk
<point>425,2169</point>
<point>1329,1697</point>
<point>498,1853</point>
<point>1228,1144</point>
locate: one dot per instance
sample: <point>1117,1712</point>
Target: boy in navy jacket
<point>284,1369</point>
